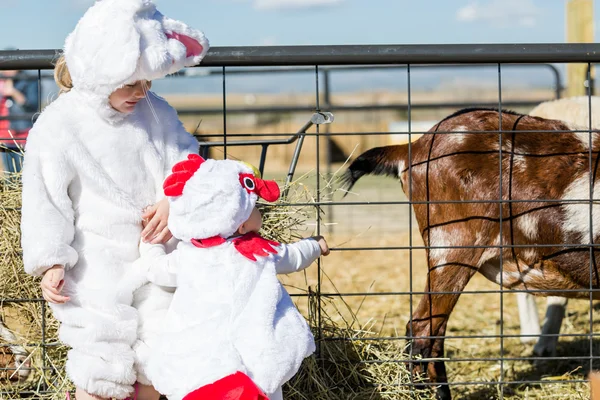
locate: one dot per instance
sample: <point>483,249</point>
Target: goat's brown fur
<point>453,181</point>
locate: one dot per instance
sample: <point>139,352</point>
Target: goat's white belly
<point>524,277</point>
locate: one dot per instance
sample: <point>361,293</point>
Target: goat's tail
<point>386,160</point>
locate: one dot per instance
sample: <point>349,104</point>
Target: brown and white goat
<point>453,181</point>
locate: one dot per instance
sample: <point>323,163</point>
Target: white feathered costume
<point>230,318</point>
<point>90,170</point>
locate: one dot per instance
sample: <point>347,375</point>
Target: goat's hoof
<point>443,393</point>
<point>543,356</point>
<point>544,352</point>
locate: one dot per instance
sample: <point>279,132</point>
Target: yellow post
<point>580,29</point>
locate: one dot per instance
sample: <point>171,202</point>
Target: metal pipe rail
<point>357,55</point>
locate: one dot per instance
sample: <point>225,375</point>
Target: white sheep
<point>575,111</point>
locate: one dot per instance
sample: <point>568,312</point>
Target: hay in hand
<point>294,215</point>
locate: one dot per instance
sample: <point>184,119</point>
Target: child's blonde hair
<point>62,75</point>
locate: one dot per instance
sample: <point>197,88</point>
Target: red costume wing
<point>233,387</point>
<point>251,245</point>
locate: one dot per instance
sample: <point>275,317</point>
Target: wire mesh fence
<point>381,253</point>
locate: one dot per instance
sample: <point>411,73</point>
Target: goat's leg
<point>428,325</point>
<point>555,312</point>
<point>528,317</point>
<point>438,368</point>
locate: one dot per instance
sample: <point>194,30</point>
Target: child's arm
<point>298,256</point>
<point>161,267</point>
<point>47,222</point>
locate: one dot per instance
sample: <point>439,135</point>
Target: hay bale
<point>23,311</point>
<point>347,366</point>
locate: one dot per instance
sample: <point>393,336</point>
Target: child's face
<point>253,223</point>
<point>125,99</point>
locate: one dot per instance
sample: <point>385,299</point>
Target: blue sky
<point>297,22</point>
<point>43,24</point>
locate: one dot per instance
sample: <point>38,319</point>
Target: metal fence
<point>502,383</point>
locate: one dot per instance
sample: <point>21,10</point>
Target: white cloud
<point>268,41</point>
<point>293,4</point>
<point>501,12</point>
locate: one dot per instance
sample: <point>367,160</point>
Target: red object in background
<point>10,138</point>
<point>13,138</point>
<point>4,123</point>
<point>233,387</point>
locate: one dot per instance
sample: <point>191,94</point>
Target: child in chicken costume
<point>232,331</point>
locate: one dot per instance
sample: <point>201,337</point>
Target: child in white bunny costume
<point>95,158</point>
<point>232,331</point>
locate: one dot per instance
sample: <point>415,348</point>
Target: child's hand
<point>154,221</point>
<point>323,245</point>
<point>52,284</point>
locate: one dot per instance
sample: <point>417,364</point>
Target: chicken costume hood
<point>232,330</point>
<point>118,42</point>
<point>211,199</point>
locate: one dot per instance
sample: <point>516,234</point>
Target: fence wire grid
<point>314,140</point>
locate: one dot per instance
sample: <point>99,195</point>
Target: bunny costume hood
<point>90,170</point>
<point>232,327</point>
<point>118,42</point>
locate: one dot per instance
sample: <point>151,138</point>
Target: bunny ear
<point>192,46</point>
<point>182,172</point>
<point>181,35</point>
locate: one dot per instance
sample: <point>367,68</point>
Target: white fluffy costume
<point>232,331</point>
<point>90,170</point>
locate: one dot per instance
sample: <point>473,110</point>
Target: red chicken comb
<point>182,172</point>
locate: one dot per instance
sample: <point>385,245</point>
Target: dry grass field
<point>367,129</point>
